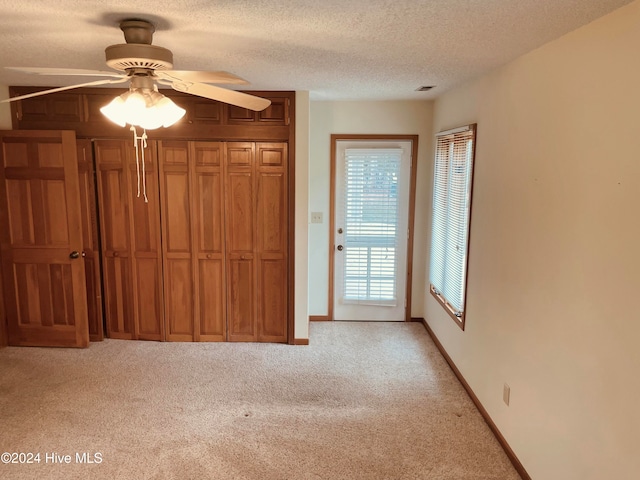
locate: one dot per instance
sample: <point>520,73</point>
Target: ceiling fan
<point>145,66</point>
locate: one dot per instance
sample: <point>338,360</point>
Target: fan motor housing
<point>127,55</point>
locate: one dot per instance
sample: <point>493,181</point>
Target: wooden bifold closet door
<point>130,232</point>
<point>256,236</point>
<point>192,240</point>
<point>205,259</point>
<point>224,234</point>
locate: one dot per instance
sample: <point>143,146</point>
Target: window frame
<point>458,317</point>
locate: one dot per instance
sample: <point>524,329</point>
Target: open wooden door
<point>41,239</point>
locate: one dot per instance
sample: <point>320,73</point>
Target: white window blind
<point>371,225</point>
<point>451,213</point>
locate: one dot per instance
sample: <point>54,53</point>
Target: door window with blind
<point>452,188</point>
<point>370,225</point>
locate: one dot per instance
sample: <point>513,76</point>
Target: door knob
<point>74,254</point>
<point>340,247</point>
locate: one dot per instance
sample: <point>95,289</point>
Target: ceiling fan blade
<point>66,71</point>
<point>61,89</point>
<point>232,97</point>
<point>202,77</point>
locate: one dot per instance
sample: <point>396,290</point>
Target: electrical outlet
<point>316,217</point>
<point>506,393</point>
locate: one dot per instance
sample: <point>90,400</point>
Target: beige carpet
<point>363,401</point>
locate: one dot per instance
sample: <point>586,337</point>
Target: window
<point>453,180</point>
<point>371,224</point>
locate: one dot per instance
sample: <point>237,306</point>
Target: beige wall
<point>5,109</point>
<point>382,117</point>
<point>554,265</point>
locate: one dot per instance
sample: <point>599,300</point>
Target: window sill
<point>448,308</point>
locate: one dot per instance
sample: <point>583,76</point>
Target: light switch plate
<point>316,217</point>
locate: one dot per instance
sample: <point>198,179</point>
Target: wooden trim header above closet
<point>205,119</point>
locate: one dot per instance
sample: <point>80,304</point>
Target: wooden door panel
<point>240,212</point>
<point>16,155</point>
<point>40,220</point>
<point>208,154</point>
<point>114,208</point>
<point>272,308</point>
<point>175,193</point>
<point>146,244</point>
<point>47,109</point>
<point>209,240</point>
<point>179,299</point>
<point>272,238</point>
<point>149,299</point>
<point>52,285</point>
<point>119,311</point>
<point>209,208</point>
<point>176,212</point>
<point>239,115</point>
<point>272,225</point>
<point>271,154</point>
<point>277,113</point>
<point>240,301</point>
<point>51,224</point>
<point>145,218</point>
<point>20,212</point>
<point>212,300</point>
<point>240,154</point>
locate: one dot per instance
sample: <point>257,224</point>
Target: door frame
<point>332,207</point>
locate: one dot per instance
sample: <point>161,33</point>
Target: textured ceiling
<point>336,49</point>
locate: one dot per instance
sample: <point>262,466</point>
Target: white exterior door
<point>371,229</point>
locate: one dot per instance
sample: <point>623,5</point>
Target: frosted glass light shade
<point>148,110</point>
<point>114,111</point>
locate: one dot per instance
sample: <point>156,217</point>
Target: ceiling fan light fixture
<point>170,112</point>
<point>146,109</point>
<point>114,111</point>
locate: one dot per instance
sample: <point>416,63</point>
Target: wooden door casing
<point>130,234</point>
<point>90,248</point>
<point>40,219</point>
<point>192,239</point>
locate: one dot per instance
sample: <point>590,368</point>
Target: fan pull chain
<point>143,145</point>
<point>135,144</point>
